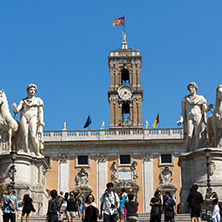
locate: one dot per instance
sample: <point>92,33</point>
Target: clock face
<point>125,92</point>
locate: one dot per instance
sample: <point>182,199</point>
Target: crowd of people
<point>114,207</point>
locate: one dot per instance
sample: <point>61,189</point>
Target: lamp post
<point>13,157</point>
<point>209,189</point>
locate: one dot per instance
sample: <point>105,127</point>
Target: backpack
<point>12,203</point>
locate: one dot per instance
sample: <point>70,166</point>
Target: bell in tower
<point>125,95</point>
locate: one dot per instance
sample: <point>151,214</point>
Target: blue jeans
<point>53,218</point>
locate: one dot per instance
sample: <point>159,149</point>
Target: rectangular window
<point>166,158</point>
<point>125,159</point>
<point>83,160</point>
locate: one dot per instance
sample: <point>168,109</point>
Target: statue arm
<point>207,108</point>
<point>18,108</point>
<point>40,115</point>
<point>182,113</point>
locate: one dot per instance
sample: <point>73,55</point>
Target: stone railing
<point>103,134</point>
<point>148,134</point>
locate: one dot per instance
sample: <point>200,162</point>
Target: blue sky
<point>62,47</point>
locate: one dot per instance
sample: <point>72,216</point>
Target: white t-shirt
<point>108,200</point>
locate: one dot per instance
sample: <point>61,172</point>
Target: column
<point>111,113</point>
<point>63,180</point>
<point>102,176</point>
<point>148,186</point>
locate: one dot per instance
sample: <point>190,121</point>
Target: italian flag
<point>156,121</point>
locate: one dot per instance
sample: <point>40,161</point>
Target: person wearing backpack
<point>195,200</point>
<point>10,205</point>
<point>72,207</point>
<point>110,204</point>
<point>168,206</point>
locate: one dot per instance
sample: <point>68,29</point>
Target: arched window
<point>125,113</point>
<point>125,77</point>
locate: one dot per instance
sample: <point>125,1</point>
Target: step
<point>143,217</point>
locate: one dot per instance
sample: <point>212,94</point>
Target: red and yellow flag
<point>156,121</point>
<point>118,21</point>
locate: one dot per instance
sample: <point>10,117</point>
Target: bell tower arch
<point>125,94</point>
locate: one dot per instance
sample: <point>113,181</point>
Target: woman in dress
<point>27,207</point>
<point>90,210</point>
<point>216,209</point>
<point>53,207</point>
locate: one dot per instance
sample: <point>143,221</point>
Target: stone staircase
<point>143,217</point>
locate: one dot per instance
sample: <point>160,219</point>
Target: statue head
<point>219,92</point>
<point>192,84</point>
<point>31,86</point>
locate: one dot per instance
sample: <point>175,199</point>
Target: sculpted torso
<point>30,107</point>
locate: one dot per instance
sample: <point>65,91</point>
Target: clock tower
<point>125,95</point>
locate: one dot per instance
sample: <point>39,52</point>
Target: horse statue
<point>7,123</point>
<point>214,122</point>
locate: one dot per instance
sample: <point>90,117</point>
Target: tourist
<point>10,205</point>
<point>195,200</point>
<point>81,200</point>
<point>90,210</point>
<point>131,206</point>
<point>216,209</point>
<point>53,206</point>
<point>63,207</point>
<point>122,197</point>
<point>72,207</point>
<point>156,204</point>
<point>168,208</point>
<point>27,207</point>
<point>110,201</point>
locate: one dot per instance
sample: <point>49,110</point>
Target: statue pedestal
<point>30,178</point>
<point>193,170</point>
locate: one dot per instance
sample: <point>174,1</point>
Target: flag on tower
<point>88,122</point>
<point>119,21</point>
<point>156,121</point>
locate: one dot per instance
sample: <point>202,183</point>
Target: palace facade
<point>127,154</point>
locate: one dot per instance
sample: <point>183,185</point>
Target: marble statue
<point>7,123</point>
<point>214,122</point>
<point>166,175</point>
<point>133,169</point>
<point>82,178</point>
<point>193,117</point>
<point>31,119</point>
<point>146,124</point>
<point>114,175</point>
<point>102,125</point>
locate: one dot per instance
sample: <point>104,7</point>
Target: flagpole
<point>159,118</point>
<point>124,23</point>
<point>89,120</point>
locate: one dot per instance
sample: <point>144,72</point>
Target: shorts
<point>71,214</point>
<point>195,212</point>
<point>121,211</point>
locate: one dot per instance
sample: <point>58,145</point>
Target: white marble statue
<point>166,175</point>
<point>102,125</point>
<point>214,122</point>
<point>31,119</point>
<point>7,123</point>
<point>146,124</point>
<point>82,178</point>
<point>193,117</point>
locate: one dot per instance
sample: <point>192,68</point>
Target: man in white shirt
<point>109,203</point>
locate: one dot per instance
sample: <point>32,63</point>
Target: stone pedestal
<point>193,170</point>
<point>30,178</point>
